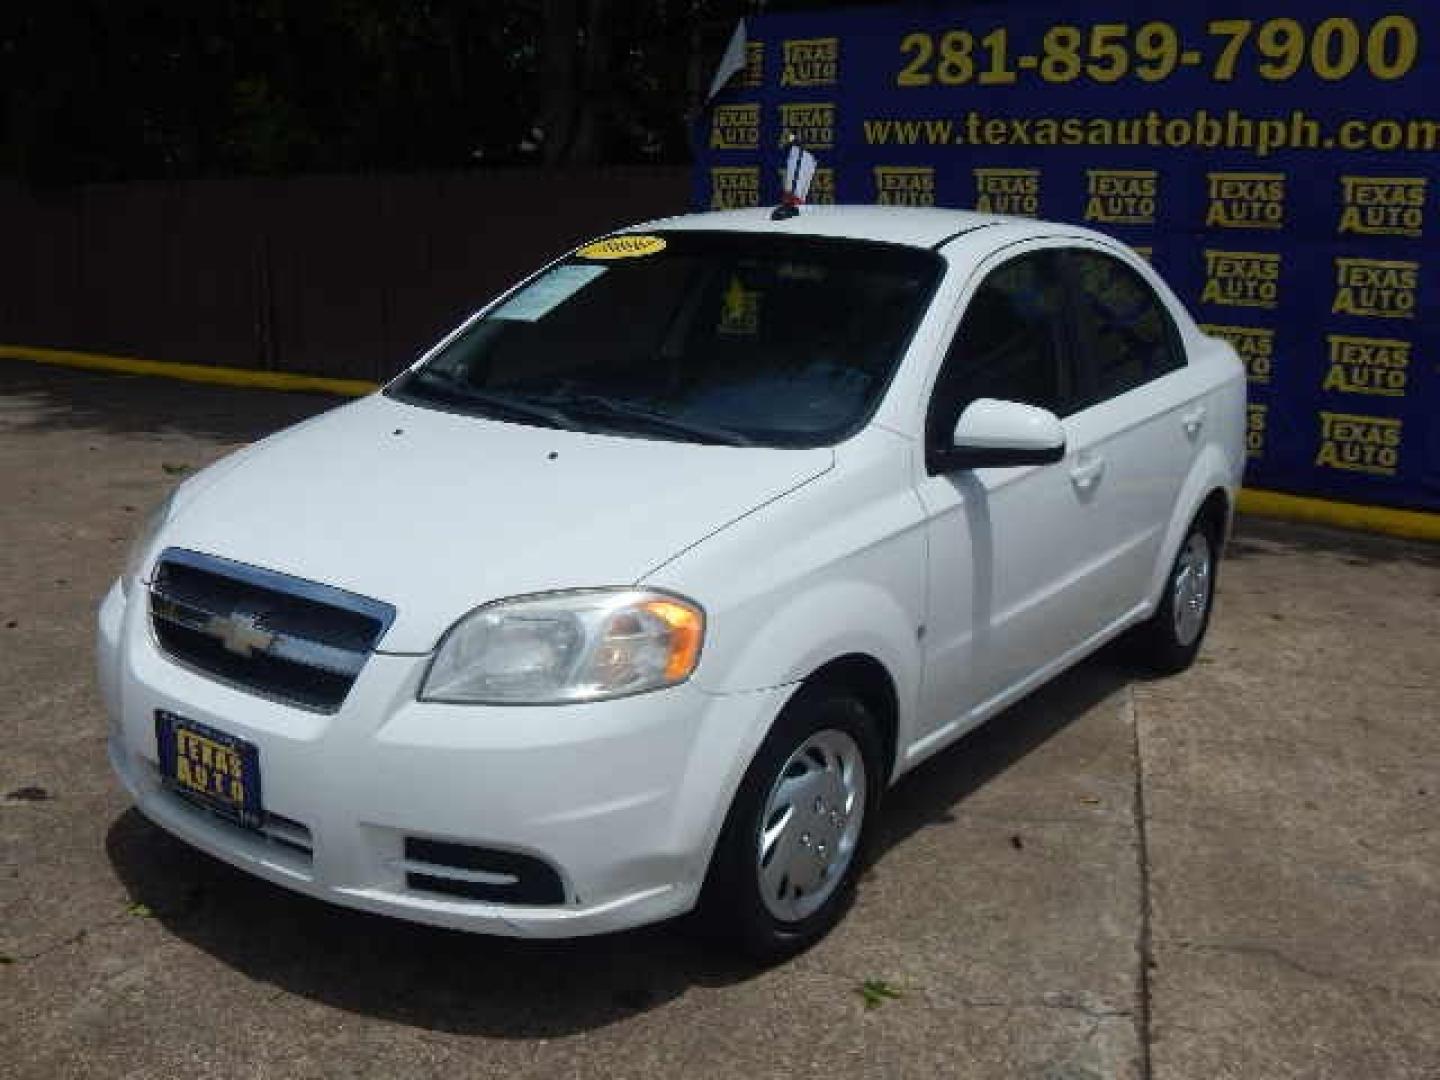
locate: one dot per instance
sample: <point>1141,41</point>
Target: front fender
<point>835,568</point>
<point>831,620</point>
<point>770,669</point>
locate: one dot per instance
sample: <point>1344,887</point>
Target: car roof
<point>914,226</point>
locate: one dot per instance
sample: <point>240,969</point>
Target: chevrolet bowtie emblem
<point>240,633</point>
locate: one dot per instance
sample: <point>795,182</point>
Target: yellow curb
<point>1411,524</point>
<point>200,373</point>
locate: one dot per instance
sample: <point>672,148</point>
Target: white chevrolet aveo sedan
<point>636,592</point>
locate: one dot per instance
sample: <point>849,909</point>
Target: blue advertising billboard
<point>1276,161</point>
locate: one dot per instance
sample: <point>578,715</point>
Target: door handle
<point>1193,421</point>
<point>1086,474</point>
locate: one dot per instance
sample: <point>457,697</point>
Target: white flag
<point>731,63</point>
<point>799,171</point>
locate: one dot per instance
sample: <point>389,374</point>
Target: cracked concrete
<point>1232,873</point>
<point>1144,949</point>
<point>1293,816</point>
<point>1281,957</point>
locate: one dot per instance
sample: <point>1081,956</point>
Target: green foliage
<point>94,90</point>
<point>875,992</point>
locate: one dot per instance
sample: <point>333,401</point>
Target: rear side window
<point>1124,330</point>
<point>1009,346</point>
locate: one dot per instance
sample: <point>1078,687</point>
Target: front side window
<point>1009,346</point>
<point>714,337</point>
<point>1123,327</point>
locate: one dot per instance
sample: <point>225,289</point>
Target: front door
<point>1009,548</point>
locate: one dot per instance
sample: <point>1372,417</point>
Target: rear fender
<point>1212,470</point>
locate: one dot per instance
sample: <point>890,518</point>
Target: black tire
<point>732,909</point>
<point>1165,644</point>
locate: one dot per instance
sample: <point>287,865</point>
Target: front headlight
<point>140,546</point>
<point>567,647</point>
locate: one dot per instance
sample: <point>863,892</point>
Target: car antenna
<point>799,171</point>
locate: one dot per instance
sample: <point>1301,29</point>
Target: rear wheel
<point>1170,640</point>
<point>795,839</point>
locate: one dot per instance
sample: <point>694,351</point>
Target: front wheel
<point>1170,640</point>
<point>794,841</point>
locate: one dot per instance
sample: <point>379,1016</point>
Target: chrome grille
<point>282,637</point>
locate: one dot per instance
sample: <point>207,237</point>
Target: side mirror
<point>993,433</point>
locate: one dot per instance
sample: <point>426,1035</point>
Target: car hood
<point>437,513</point>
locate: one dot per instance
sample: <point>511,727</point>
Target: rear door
<point>1138,427</point>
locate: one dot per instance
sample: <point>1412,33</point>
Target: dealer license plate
<point>216,771</point>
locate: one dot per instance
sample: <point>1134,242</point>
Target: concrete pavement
<point>1231,873</point>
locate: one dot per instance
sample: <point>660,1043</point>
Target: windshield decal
<point>547,292</point>
<point>740,310</point>
<point>628,246</point>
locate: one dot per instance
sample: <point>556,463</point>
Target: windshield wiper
<point>493,403</point>
<point>614,407</point>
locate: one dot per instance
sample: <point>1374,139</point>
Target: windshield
<point>707,337</point>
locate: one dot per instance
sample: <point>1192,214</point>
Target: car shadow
<point>449,981</point>
<point>426,977</point>
<point>930,793</point>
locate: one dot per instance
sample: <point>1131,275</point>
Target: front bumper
<point>624,799</point>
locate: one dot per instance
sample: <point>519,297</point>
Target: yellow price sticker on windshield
<point>628,246</point>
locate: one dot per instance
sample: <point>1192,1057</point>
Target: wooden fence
<point>343,276</point>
